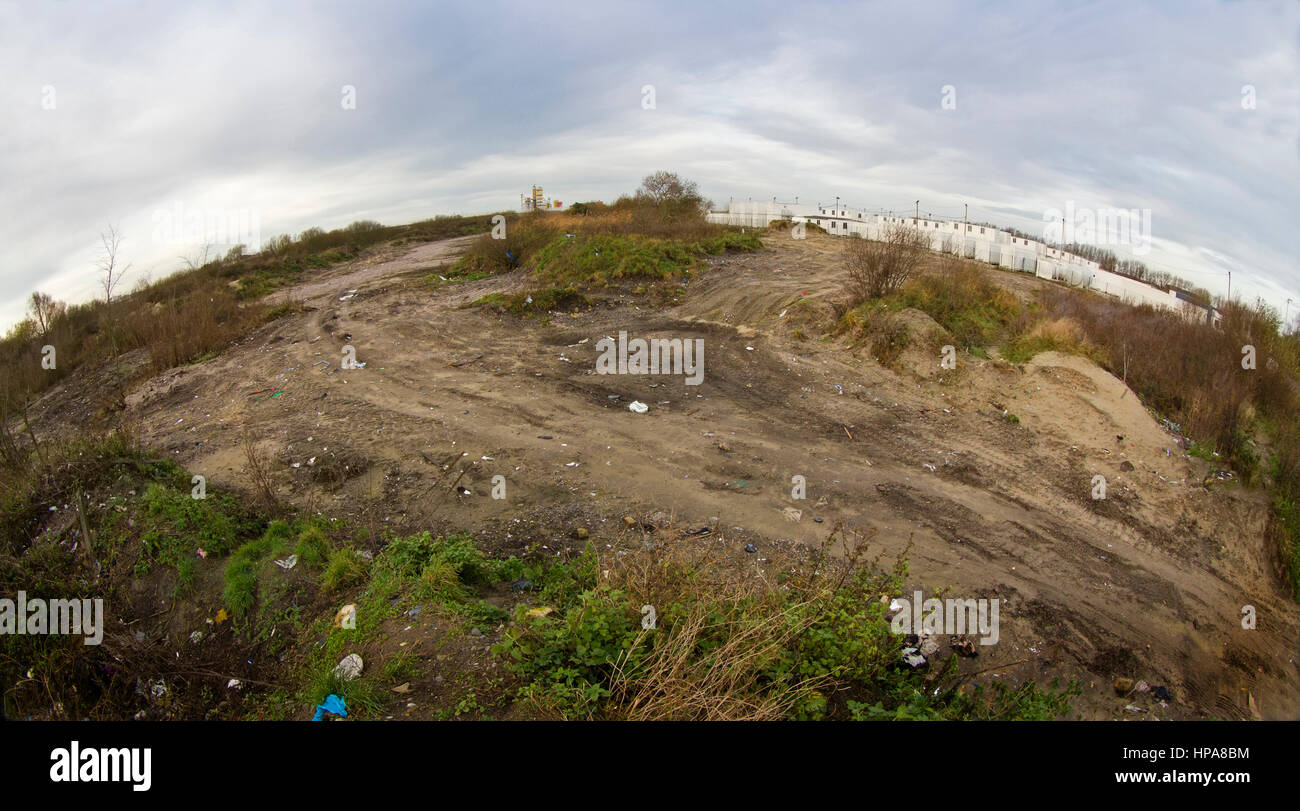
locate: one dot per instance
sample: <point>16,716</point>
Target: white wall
<point>981,243</point>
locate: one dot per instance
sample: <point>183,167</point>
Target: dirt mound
<point>984,475</point>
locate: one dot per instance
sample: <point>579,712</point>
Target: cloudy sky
<point>113,113</point>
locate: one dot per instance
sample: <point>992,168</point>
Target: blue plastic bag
<point>335,705</point>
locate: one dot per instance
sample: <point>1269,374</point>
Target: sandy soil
<point>1147,584</point>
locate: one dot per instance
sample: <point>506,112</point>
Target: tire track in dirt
<point>1002,510</point>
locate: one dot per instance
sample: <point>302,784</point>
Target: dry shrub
<point>180,330</point>
<point>710,663</point>
<point>880,267</point>
<point>258,470</point>
<point>1057,330</point>
<point>677,684</point>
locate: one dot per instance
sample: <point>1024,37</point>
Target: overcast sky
<point>115,112</point>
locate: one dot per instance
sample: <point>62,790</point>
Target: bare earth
<point>1148,584</point>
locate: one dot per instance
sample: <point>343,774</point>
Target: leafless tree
<point>109,265</point>
<point>879,267</point>
<point>199,257</point>
<point>45,310</point>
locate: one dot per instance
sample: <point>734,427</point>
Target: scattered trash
<point>700,531</point>
<point>1123,686</point>
<point>158,688</point>
<point>347,615</point>
<point>196,637</point>
<point>750,548</point>
<point>791,514</point>
<point>913,657</point>
<point>334,705</point>
<point>287,563</point>
<point>638,406</point>
<point>349,667</point>
<point>522,584</point>
<point>264,394</point>
<point>964,647</point>
<point>1134,708</point>
<point>404,687</point>
<point>1161,693</point>
<point>930,648</point>
<point>544,611</point>
<point>234,684</point>
<point>201,553</point>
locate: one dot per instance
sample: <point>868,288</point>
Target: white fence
<point>979,242</point>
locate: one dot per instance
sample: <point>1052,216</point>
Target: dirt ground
<point>1147,584</point>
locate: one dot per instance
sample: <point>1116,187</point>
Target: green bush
<point>344,569</point>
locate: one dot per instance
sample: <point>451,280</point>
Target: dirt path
<point>1148,583</point>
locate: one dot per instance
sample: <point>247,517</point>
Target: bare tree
<point>879,267</point>
<point>199,257</point>
<point>109,265</point>
<point>45,310</point>
<point>113,271</point>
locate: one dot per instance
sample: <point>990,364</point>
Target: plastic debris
<point>913,658</point>
<point>544,611</point>
<point>287,563</point>
<point>750,548</point>
<point>638,406</point>
<point>349,667</point>
<point>347,615</point>
<point>334,705</point>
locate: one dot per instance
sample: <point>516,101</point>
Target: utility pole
<point>1286,317</point>
<point>918,209</point>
